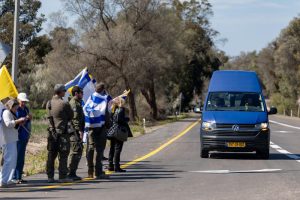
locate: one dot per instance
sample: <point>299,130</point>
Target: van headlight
<point>262,126</point>
<point>208,126</point>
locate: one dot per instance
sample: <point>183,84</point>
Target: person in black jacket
<point>119,119</point>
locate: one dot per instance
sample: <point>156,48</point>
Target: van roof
<point>234,81</point>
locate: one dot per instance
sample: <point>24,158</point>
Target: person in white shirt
<point>10,125</point>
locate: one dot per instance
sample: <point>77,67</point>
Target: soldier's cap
<point>76,89</point>
<point>100,87</point>
<point>60,88</point>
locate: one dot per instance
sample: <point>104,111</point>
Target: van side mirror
<point>273,111</point>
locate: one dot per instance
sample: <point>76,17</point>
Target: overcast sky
<point>246,24</point>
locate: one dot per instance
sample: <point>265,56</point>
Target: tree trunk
<point>131,99</point>
<point>133,111</point>
<point>150,97</point>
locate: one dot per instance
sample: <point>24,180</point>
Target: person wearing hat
<point>76,136</point>
<point>10,125</point>
<point>24,134</point>
<point>59,115</point>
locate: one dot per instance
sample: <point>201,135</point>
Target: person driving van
<point>220,102</point>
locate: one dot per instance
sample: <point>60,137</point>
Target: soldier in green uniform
<point>76,136</point>
<point>59,114</point>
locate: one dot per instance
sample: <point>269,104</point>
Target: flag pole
<point>16,42</point>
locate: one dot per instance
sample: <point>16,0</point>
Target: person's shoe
<point>110,167</point>
<point>90,175</point>
<point>74,177</point>
<point>22,181</point>
<point>51,180</point>
<point>65,180</point>
<point>7,185</point>
<point>102,176</point>
<point>15,181</point>
<point>120,170</point>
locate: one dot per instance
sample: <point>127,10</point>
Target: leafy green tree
<point>30,26</point>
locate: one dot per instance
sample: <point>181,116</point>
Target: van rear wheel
<point>204,153</point>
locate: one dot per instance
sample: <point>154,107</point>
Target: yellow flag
<point>7,86</point>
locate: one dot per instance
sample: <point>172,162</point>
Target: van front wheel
<point>264,154</point>
<point>204,153</point>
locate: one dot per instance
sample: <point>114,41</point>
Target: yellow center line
<point>152,153</point>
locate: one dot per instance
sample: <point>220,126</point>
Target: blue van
<point>235,116</point>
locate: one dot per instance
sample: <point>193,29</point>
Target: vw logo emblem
<point>235,128</point>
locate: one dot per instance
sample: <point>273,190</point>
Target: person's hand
<point>21,120</point>
<point>29,117</point>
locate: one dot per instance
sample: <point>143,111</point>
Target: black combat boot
<point>119,169</point>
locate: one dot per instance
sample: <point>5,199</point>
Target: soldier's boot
<point>74,177</point>
<point>65,180</point>
<point>75,159</point>
<point>118,168</point>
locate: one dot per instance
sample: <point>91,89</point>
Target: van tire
<point>263,154</point>
<point>204,153</point>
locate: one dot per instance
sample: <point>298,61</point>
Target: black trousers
<point>97,141</point>
<point>116,147</point>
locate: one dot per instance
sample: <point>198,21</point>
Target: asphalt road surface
<point>167,165</point>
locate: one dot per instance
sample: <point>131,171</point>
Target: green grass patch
<point>137,130</point>
<point>39,114</point>
<point>36,163</point>
<point>38,130</point>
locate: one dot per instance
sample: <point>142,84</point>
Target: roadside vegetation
<point>163,51</point>
<point>278,67</point>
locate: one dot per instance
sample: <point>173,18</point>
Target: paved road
<point>176,171</point>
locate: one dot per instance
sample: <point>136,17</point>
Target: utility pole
<point>16,42</point>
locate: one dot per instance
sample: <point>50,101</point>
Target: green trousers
<point>58,148</point>
<point>75,153</point>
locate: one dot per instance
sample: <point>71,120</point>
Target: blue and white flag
<point>95,110</point>
<point>4,51</point>
<point>83,80</point>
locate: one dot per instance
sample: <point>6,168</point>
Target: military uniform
<point>58,145</point>
<point>75,140</point>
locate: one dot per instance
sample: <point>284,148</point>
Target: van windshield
<point>235,101</point>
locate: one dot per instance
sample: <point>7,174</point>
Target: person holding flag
<point>10,125</point>
<point>96,121</point>
<point>120,121</point>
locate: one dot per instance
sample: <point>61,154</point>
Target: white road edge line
<point>285,152</point>
<point>281,150</point>
<point>286,125</point>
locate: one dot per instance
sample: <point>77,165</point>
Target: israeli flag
<point>83,80</point>
<point>4,51</point>
<point>95,109</point>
